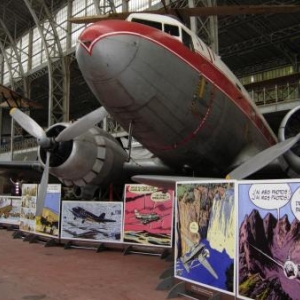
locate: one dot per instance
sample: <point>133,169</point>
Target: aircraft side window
<point>171,29</point>
<point>153,24</point>
<point>187,40</point>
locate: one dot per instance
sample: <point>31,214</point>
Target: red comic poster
<point>148,215</point>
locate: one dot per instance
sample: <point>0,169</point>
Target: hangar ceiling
<point>247,44</point>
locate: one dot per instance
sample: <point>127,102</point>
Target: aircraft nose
<point>105,51</point>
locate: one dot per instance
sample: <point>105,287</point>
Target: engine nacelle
<point>289,127</point>
<point>93,158</point>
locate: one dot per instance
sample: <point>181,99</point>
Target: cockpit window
<point>154,24</point>
<point>187,40</point>
<point>171,29</point>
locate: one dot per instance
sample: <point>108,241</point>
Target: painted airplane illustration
<point>197,256</point>
<point>290,269</point>
<point>174,96</point>
<point>146,218</point>
<point>85,215</point>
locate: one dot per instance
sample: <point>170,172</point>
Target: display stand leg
<point>18,234</point>
<point>101,248</point>
<point>29,237</point>
<point>167,273</point>
<point>52,242</point>
<point>128,250</point>
<point>165,254</point>
<point>138,250</point>
<point>166,284</point>
<point>68,245</point>
<point>180,290</point>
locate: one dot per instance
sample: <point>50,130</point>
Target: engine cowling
<point>93,158</point>
<point>289,127</point>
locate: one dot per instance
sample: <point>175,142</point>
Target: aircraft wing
<point>167,182</point>
<point>29,171</point>
<point>11,99</point>
<point>208,267</point>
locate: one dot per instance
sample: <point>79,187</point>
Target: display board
<point>10,209</point>
<point>269,239</point>
<point>48,222</point>
<point>96,221</point>
<point>28,207</point>
<point>148,215</point>
<point>205,235</point>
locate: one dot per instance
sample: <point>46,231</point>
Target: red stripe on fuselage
<point>200,63</point>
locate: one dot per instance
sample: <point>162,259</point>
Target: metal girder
<point>104,7</point>
<point>261,41</point>
<point>58,76</point>
<point>206,27</point>
<point>13,61</point>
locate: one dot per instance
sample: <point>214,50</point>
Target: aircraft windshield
<point>154,24</point>
<point>173,30</point>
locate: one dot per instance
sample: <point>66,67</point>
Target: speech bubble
<point>142,189</point>
<point>295,204</point>
<point>270,195</point>
<point>160,197</point>
<point>194,227</point>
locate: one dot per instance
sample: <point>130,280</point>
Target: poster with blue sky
<point>205,236</point>
<point>269,235</point>
<point>48,222</point>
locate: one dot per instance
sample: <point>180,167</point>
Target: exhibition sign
<point>10,209</point>
<point>148,215</point>
<point>95,221</point>
<point>205,235</point>
<point>269,239</point>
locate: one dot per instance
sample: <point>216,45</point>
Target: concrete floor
<point>32,271</point>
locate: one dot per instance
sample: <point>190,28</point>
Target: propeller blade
<point>263,158</point>
<point>28,123</point>
<point>82,125</point>
<point>42,191</point>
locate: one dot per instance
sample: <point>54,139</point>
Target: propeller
<point>263,158</point>
<point>48,143</point>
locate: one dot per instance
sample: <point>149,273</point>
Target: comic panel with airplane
<point>97,221</point>
<point>205,235</point>
<point>269,230</point>
<point>148,215</point>
<point>48,222</point>
<point>10,209</point>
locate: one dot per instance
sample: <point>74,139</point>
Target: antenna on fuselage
<point>129,145</point>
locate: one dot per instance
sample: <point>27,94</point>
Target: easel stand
<point>85,246</point>
<point>196,292</point>
<point>35,238</point>
<point>144,251</point>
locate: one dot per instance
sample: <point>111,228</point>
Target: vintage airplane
<point>290,269</point>
<point>197,256</point>
<point>85,215</point>
<point>176,97</point>
<point>146,218</point>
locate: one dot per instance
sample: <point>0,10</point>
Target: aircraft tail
<point>102,216</point>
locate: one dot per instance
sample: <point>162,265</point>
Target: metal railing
<point>274,94</point>
<point>19,145</point>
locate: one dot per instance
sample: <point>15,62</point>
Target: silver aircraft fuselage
<point>185,105</point>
